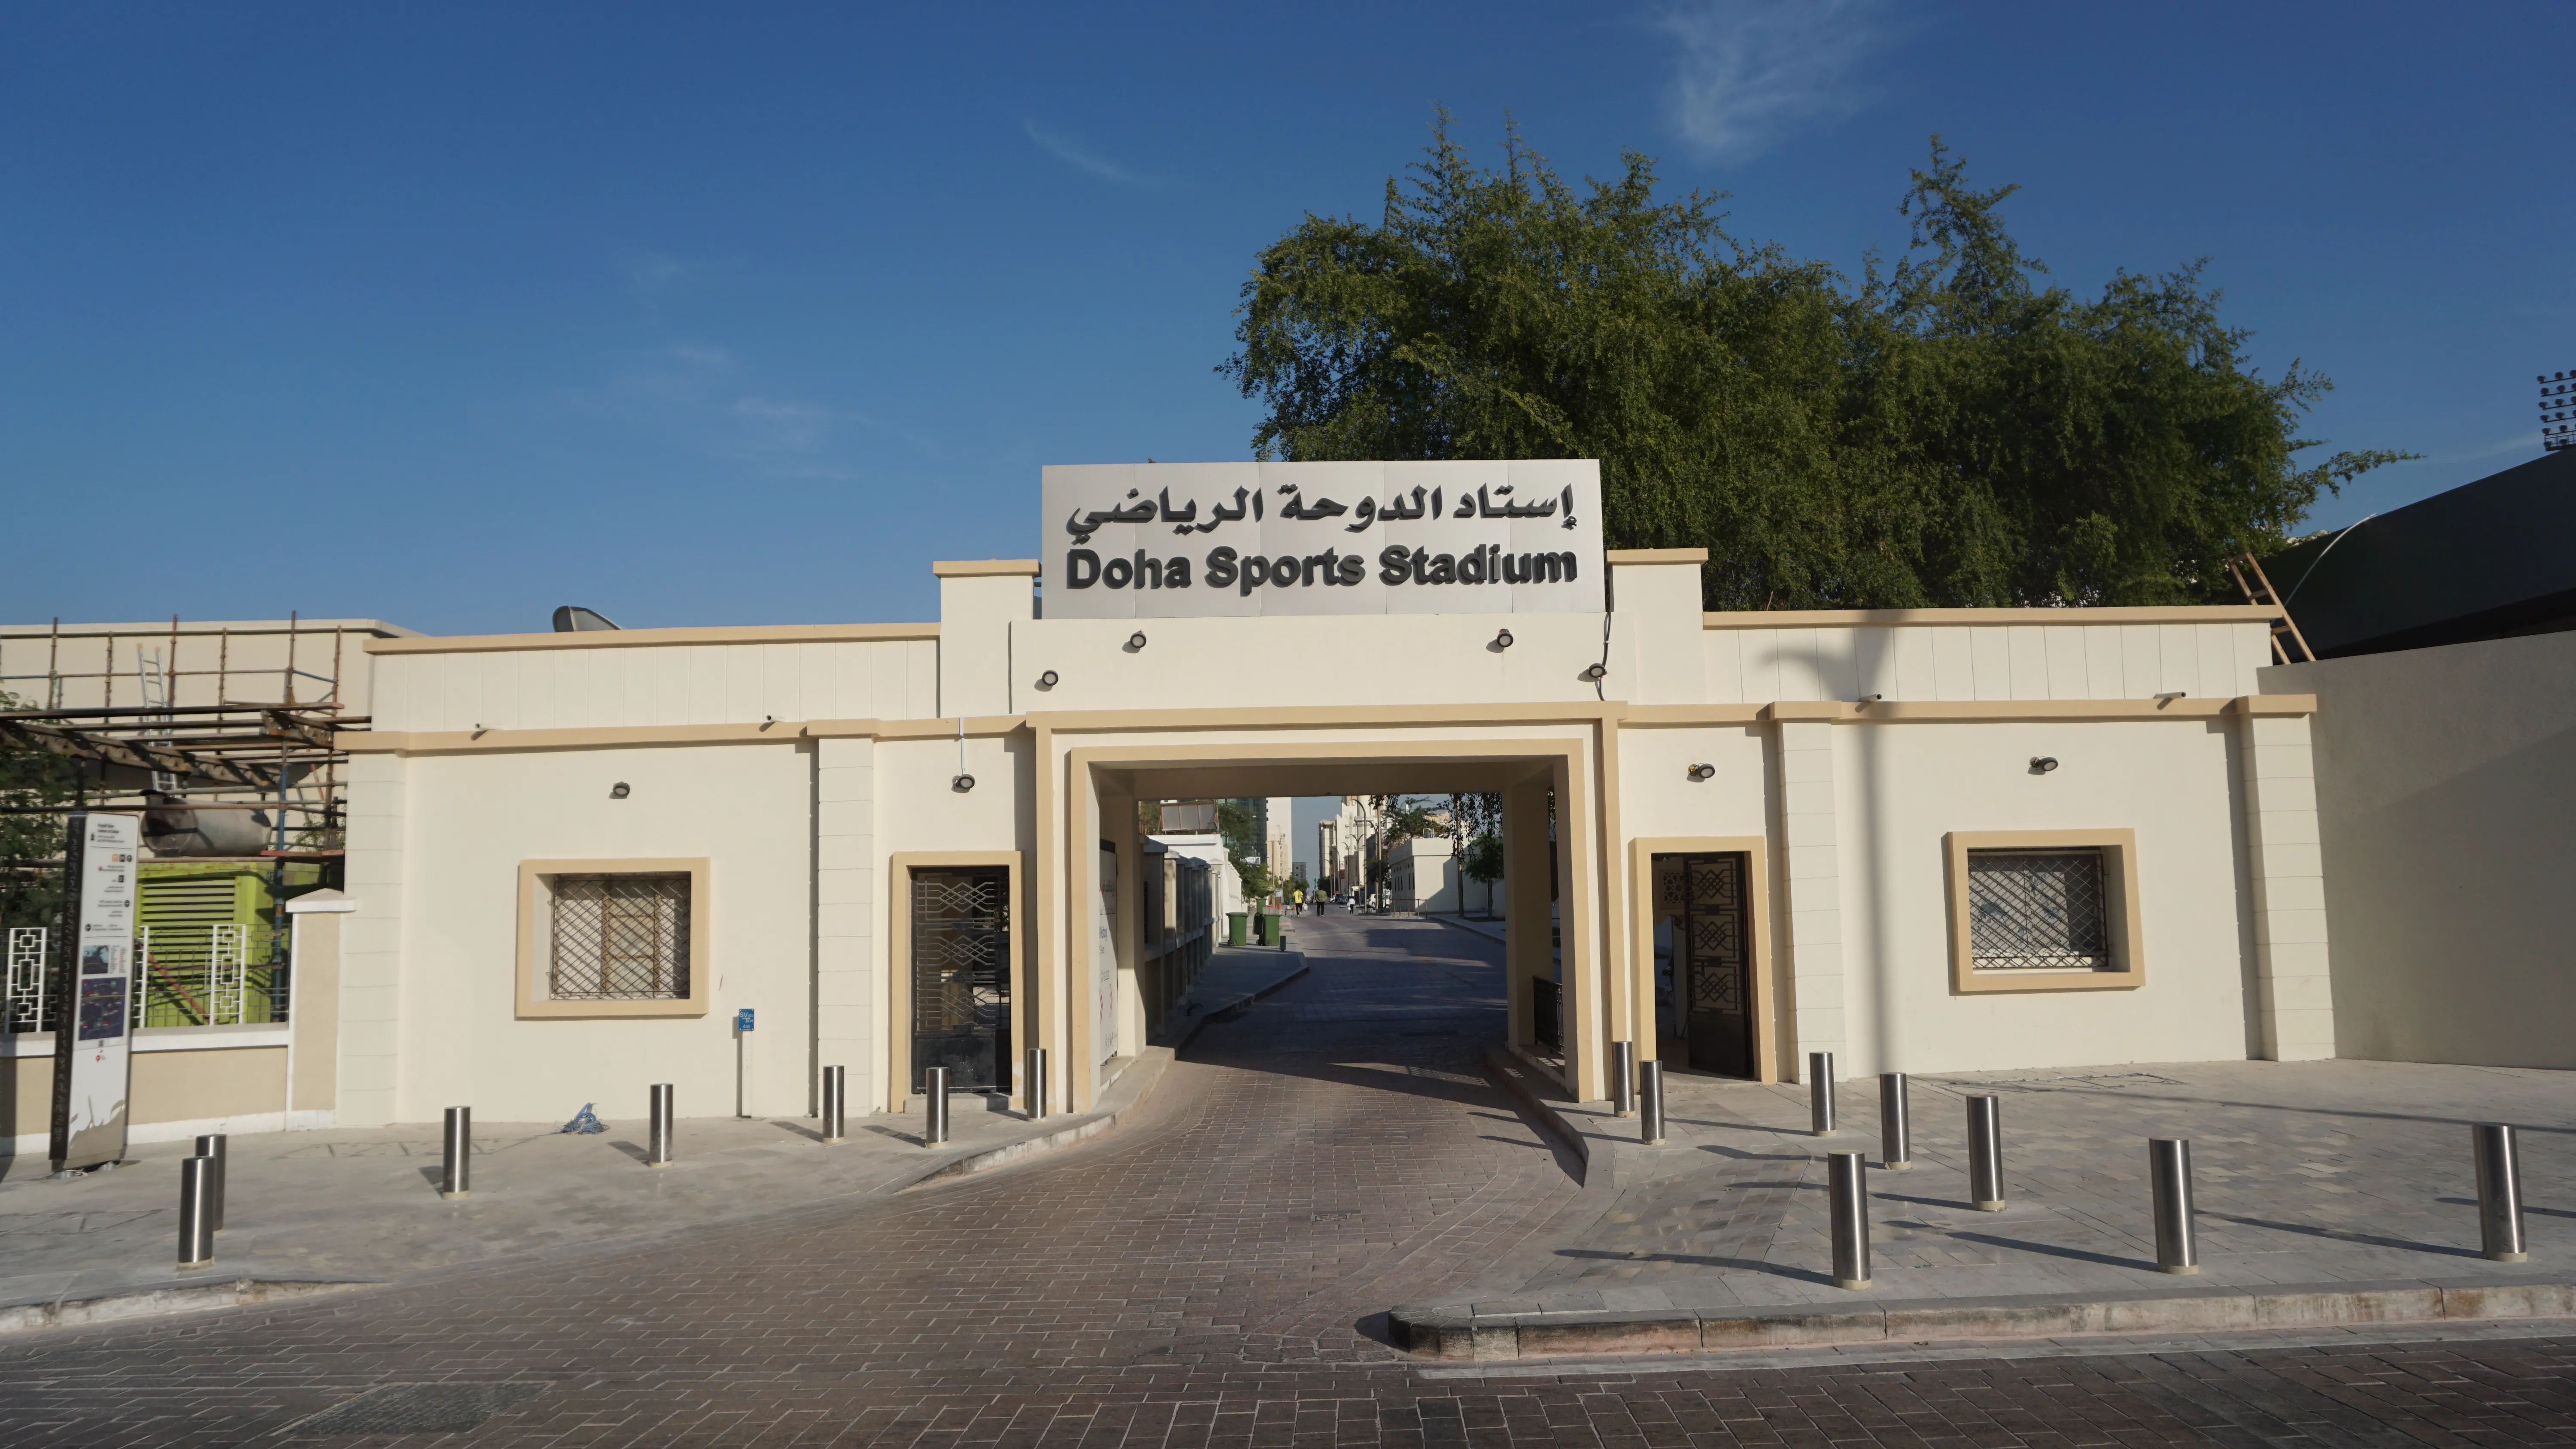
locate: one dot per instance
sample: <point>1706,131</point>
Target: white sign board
<point>1174,540</point>
<point>93,1048</point>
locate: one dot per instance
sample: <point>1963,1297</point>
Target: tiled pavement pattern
<point>2305,1173</point>
<point>361,1205</point>
<point>1202,1276</point>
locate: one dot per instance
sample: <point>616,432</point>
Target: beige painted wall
<point>470,820</point>
<point>1900,788</point>
<point>1376,660</point>
<point>175,1093</point>
<point>2070,660</point>
<point>2446,800</point>
<point>657,684</point>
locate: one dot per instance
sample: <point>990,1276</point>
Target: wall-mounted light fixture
<point>619,791</point>
<point>962,784</point>
<point>2168,697</point>
<point>1047,680</point>
<point>767,720</point>
<point>2042,764</point>
<point>1703,772</point>
<point>1596,673</point>
<point>479,731</point>
<point>1872,698</point>
<point>1503,640</point>
<point>1135,641</point>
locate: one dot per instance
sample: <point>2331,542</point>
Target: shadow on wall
<point>2446,810</point>
<point>2450,911</point>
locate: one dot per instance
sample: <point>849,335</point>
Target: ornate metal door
<point>961,976</point>
<point>1710,945</point>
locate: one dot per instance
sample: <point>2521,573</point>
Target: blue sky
<point>743,314</point>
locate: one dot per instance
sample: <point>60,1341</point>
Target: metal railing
<point>23,1009</point>
<point>210,974</point>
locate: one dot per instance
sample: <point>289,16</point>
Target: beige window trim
<point>898,975</point>
<point>533,1002</point>
<point>2120,879</point>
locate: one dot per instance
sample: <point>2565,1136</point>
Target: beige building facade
<point>1921,840</point>
<point>1854,767</point>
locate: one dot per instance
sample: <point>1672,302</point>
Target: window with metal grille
<point>2038,910</point>
<point>620,938</point>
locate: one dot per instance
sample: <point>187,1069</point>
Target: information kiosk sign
<point>94,980</point>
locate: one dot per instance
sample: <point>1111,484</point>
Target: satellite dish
<point>574,619</point>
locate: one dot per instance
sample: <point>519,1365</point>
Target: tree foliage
<point>31,845</point>
<point>1952,430</point>
<point>1245,849</point>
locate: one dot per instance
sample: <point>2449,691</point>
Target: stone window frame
<point>536,879</point>
<point>2119,849</point>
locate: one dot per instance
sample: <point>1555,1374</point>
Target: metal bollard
<point>934,1112</point>
<point>657,1142</point>
<point>1820,1092</point>
<point>1847,1184</point>
<point>1895,1125</point>
<point>836,1122</point>
<point>1034,1091</point>
<point>211,1147</point>
<point>1623,1079</point>
<point>2169,1174</point>
<point>1986,1154</point>
<point>1650,1103</point>
<point>2499,1193</point>
<point>196,1212</point>
<point>455,1167</point>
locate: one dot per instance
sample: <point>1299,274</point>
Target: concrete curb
<point>1464,1334</point>
<point>1125,1094</point>
<point>1243,1003</point>
<point>154,1302</point>
<point>1472,928</point>
<point>1450,1329</point>
<point>1600,1158</point>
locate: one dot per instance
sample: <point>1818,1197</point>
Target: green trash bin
<point>1269,928</point>
<point>1234,928</point>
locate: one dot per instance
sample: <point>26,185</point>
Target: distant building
<point>1422,876</point>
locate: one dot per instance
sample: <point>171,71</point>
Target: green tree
<point>1483,862</point>
<point>1245,848</point>
<point>31,845</point>
<point>1953,430</point>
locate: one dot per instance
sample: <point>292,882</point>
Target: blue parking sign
<point>742,1019</point>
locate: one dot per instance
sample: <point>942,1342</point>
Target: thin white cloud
<point>650,274</point>
<point>781,424</point>
<point>706,399</point>
<point>1075,155</point>
<point>1750,68</point>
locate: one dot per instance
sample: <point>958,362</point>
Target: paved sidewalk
<point>362,1205</point>
<point>2320,1175</point>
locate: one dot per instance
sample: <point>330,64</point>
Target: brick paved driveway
<point>1202,1276</point>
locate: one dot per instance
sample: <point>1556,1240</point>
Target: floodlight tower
<point>2557,410</point>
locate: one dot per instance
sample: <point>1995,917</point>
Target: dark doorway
<point>961,977</point>
<point>1709,947</point>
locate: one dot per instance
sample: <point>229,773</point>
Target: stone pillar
<point>848,921</point>
<point>2294,992</point>
<point>979,603</point>
<point>1527,954</point>
<point>313,1021</point>
<point>1811,840</point>
<point>370,1056</point>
